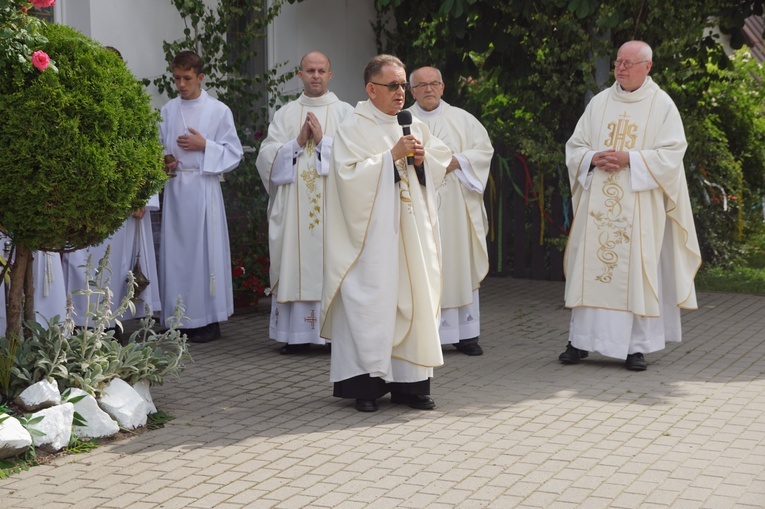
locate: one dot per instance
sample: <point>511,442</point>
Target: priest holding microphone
<point>382,275</point>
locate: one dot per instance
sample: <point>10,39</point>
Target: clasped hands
<point>311,129</point>
<point>408,146</point>
<point>193,141</point>
<point>611,160</point>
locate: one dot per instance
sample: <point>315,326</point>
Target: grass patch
<point>737,280</point>
<point>748,276</point>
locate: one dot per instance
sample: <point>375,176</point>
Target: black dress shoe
<point>366,405</point>
<point>416,401</point>
<point>205,334</point>
<point>572,355</point>
<point>296,348</point>
<point>469,347</point>
<point>636,362</point>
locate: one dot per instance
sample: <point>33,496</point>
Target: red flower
<point>40,59</point>
<point>42,4</point>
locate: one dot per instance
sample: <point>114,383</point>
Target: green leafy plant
<point>89,357</point>
<point>9,467</point>
<point>21,38</point>
<point>79,446</point>
<point>28,420</point>
<point>158,419</point>
<point>70,139</point>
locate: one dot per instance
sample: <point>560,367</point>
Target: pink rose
<point>42,4</point>
<point>40,59</point>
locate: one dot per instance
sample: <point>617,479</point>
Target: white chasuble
<point>461,212</point>
<point>195,256</point>
<point>382,273</point>
<point>294,178</point>
<point>617,240</point>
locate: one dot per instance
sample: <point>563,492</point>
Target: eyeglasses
<point>627,64</point>
<point>423,86</point>
<point>393,87</point>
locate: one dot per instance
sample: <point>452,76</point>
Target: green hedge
<point>80,148</point>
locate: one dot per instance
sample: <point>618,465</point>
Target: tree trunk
<point>22,268</point>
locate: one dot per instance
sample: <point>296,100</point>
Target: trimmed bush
<point>80,148</point>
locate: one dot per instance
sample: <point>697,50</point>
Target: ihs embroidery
<point>622,135</point>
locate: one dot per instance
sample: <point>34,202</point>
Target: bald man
<point>293,163</point>
<point>461,212</point>
<point>632,252</point>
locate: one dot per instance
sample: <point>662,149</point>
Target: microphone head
<point>404,117</point>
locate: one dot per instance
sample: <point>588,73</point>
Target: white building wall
<point>341,29</point>
<point>136,28</point>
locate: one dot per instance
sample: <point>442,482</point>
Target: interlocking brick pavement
<point>513,428</point>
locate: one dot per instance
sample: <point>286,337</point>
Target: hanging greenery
<point>527,70</point>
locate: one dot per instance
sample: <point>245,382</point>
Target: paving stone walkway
<point>513,428</point>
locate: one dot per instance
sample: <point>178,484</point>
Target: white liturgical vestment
<point>134,240</point>
<point>195,256</point>
<point>382,273</point>
<point>632,253</point>
<point>462,218</point>
<point>50,288</point>
<point>294,177</point>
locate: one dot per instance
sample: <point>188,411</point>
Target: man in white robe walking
<point>382,271</point>
<point>198,132</point>
<point>632,252</point>
<point>461,212</point>
<point>293,163</point>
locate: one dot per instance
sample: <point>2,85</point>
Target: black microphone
<point>405,120</point>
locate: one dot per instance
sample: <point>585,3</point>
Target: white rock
<point>43,394</point>
<point>14,439</point>
<point>124,404</point>
<point>56,427</point>
<point>143,388</point>
<point>97,422</point>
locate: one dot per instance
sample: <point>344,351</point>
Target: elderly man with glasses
<point>461,212</point>
<point>632,252</point>
<point>382,271</point>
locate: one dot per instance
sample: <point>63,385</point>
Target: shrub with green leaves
<point>80,147</point>
<point>89,357</point>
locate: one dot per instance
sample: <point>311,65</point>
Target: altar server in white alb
<point>382,274</point>
<point>461,212</point>
<point>632,252</point>
<point>201,144</point>
<point>293,163</point>
<point>132,244</point>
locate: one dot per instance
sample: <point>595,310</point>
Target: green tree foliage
<point>80,147</point>
<point>527,69</point>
